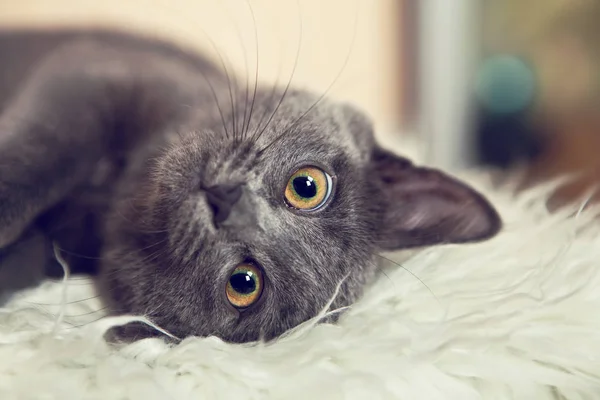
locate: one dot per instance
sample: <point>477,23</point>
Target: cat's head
<point>246,234</point>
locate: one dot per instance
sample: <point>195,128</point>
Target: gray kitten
<point>213,207</point>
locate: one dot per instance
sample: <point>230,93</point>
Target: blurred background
<point>509,84</point>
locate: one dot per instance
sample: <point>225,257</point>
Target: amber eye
<point>308,189</point>
<point>244,286</point>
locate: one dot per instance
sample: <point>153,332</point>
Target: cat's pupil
<point>242,283</point>
<point>305,186</point>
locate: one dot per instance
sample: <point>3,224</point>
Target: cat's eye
<point>244,286</point>
<point>308,189</point>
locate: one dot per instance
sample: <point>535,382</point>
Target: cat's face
<point>245,236</point>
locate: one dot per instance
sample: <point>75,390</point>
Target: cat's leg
<point>85,101</point>
<point>46,147</point>
<point>51,135</point>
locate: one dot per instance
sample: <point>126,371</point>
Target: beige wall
<point>369,79</point>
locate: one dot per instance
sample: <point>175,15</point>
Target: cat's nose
<point>221,199</point>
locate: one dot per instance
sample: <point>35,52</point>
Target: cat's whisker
<point>320,98</point>
<point>414,276</point>
<point>77,326</point>
<point>104,258</point>
<point>120,214</point>
<point>86,313</point>
<point>78,279</point>
<point>130,203</point>
<point>266,110</point>
<point>146,259</point>
<point>228,77</point>
<point>274,88</point>
<point>153,256</point>
<point>211,87</point>
<point>152,245</point>
<point>150,312</point>
<point>217,104</point>
<point>71,253</point>
<point>246,70</point>
<point>381,271</point>
<point>83,283</point>
<point>68,302</point>
<point>231,81</point>
<point>256,46</point>
<point>256,136</point>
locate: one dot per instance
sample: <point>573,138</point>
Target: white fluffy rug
<point>517,317</point>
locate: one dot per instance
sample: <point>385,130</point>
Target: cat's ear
<point>425,206</point>
<point>359,125</point>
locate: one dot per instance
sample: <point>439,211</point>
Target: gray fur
<point>109,144</point>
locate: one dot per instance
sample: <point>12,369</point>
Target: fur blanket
<point>517,317</point>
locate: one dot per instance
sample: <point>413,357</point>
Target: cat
<point>209,206</point>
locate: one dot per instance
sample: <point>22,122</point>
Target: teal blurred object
<point>505,88</point>
<point>505,84</point>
